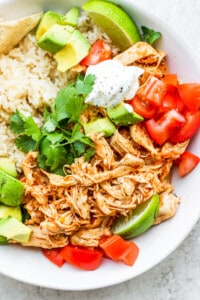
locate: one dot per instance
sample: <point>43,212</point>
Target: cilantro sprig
<point>60,139</point>
<point>150,35</point>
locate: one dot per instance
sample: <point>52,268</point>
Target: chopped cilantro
<point>61,139</point>
<point>25,143</point>
<point>150,35</point>
<point>17,123</point>
<point>59,110</point>
<point>84,86</point>
<point>31,129</point>
<point>49,122</point>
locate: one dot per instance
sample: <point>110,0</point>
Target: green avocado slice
<point>99,125</point>
<point>14,211</point>
<point>121,115</point>
<point>76,49</point>
<point>13,229</point>
<point>71,17</point>
<point>47,21</point>
<point>55,38</point>
<point>11,190</point>
<point>8,166</point>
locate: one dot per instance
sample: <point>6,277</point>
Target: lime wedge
<point>139,220</point>
<point>118,25</point>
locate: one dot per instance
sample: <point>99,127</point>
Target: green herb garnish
<point>149,35</point>
<point>61,139</point>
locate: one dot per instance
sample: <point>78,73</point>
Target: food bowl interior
<point>30,266</point>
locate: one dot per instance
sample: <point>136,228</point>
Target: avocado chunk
<point>55,38</point>
<point>75,50</point>
<point>11,190</point>
<point>14,211</point>
<point>123,114</point>
<point>13,229</point>
<point>8,166</point>
<point>99,125</point>
<point>71,17</point>
<point>47,21</point>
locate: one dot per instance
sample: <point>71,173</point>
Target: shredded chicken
<point>76,207</point>
<point>168,207</point>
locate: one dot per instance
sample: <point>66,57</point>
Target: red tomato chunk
<point>153,91</point>
<point>189,128</point>
<point>190,95</point>
<point>118,249</point>
<point>186,163</point>
<point>54,256</point>
<point>99,51</point>
<point>82,257</point>
<point>172,110</point>
<point>160,130</point>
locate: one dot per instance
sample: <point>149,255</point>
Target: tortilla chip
<point>12,32</point>
<point>139,51</point>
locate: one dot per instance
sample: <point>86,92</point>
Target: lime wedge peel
<point>115,22</point>
<point>139,220</point>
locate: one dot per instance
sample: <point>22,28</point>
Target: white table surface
<point>178,276</point>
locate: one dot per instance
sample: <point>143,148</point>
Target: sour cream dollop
<point>114,83</point>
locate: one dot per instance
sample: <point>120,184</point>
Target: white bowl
<point>29,265</point>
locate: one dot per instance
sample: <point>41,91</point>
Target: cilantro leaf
<point>41,159</point>
<point>49,126</point>
<point>17,123</point>
<point>52,154</point>
<point>70,158</point>
<point>75,108</point>
<point>89,153</point>
<point>69,104</point>
<point>85,85</point>
<point>50,123</point>
<point>31,129</point>
<point>56,157</point>
<point>25,143</point>
<point>30,133</point>
<point>150,35</point>
<point>60,110</point>
<point>55,137</point>
<point>77,135</point>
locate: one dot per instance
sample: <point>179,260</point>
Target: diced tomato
<point>117,249</point>
<point>143,108</point>
<point>54,256</point>
<point>190,95</point>
<point>99,51</point>
<point>189,128</point>
<point>170,79</point>
<point>168,103</point>
<point>82,257</point>
<point>153,91</point>
<point>179,103</point>
<point>160,130</point>
<point>187,162</point>
<point>171,100</point>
